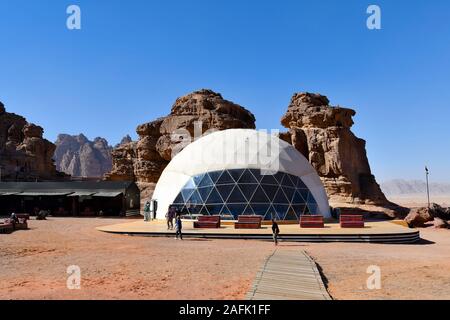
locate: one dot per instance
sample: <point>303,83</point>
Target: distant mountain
<point>409,187</point>
<point>80,157</point>
<point>125,140</point>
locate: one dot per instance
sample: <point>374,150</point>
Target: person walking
<point>275,231</point>
<point>153,209</point>
<point>147,211</point>
<point>170,215</point>
<point>178,228</point>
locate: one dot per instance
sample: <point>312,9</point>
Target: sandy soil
<point>416,271</point>
<point>33,265</point>
<point>414,201</point>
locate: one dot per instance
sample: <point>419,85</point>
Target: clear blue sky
<point>132,59</point>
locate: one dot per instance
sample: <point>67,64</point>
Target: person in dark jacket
<point>178,228</point>
<point>275,231</point>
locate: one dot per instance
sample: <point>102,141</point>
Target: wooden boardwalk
<point>288,275</point>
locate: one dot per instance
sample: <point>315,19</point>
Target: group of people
<point>150,209</point>
<point>173,213</point>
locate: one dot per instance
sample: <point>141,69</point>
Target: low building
<point>71,198</point>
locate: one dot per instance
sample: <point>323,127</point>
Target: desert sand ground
<point>415,200</point>
<point>33,265</point>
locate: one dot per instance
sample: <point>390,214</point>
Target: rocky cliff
<point>24,154</point>
<point>79,157</point>
<point>322,134</point>
<point>160,140</point>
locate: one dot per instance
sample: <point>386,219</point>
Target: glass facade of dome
<point>230,193</point>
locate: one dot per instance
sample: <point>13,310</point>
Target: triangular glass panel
<point>248,211</point>
<point>236,209</point>
<point>270,191</point>
<point>214,209</point>
<point>313,208</point>
<point>206,181</point>
<point>204,211</point>
<point>279,176</point>
<point>225,190</point>
<point>236,173</point>
<point>298,199</point>
<point>257,174</point>
<point>195,198</point>
<point>304,193</point>
<point>291,215</point>
<point>225,178</point>
<point>190,184</point>
<point>197,179</point>
<point>204,192</point>
<point>311,198</point>
<point>260,196</point>
<point>194,209</point>
<point>247,177</point>
<point>214,197</point>
<point>269,179</point>
<point>287,181</point>
<point>271,214</point>
<point>301,185</point>
<point>281,197</point>
<point>179,199</point>
<point>248,190</point>
<point>226,213</point>
<point>289,192</point>
<point>281,210</point>
<point>215,175</point>
<point>183,210</point>
<point>260,209</point>
<point>299,209</point>
<point>236,196</point>
<point>295,180</point>
<point>187,194</point>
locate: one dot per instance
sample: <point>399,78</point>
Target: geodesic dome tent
<point>241,172</point>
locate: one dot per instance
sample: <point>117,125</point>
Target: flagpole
<point>428,188</point>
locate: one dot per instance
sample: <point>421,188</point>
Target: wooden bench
<point>6,227</point>
<point>21,225</point>
<point>352,221</point>
<point>24,216</point>
<point>307,221</point>
<point>212,222</point>
<point>248,222</point>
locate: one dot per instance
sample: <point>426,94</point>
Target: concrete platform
<point>375,232</point>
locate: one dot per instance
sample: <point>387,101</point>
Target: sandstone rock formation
<point>79,157</point>
<point>24,154</point>
<point>160,140</point>
<point>418,217</point>
<point>322,134</point>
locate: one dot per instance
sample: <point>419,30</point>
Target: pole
<point>428,188</point>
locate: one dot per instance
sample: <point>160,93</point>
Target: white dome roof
<point>236,149</point>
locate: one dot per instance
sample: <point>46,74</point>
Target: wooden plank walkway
<point>288,275</point>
